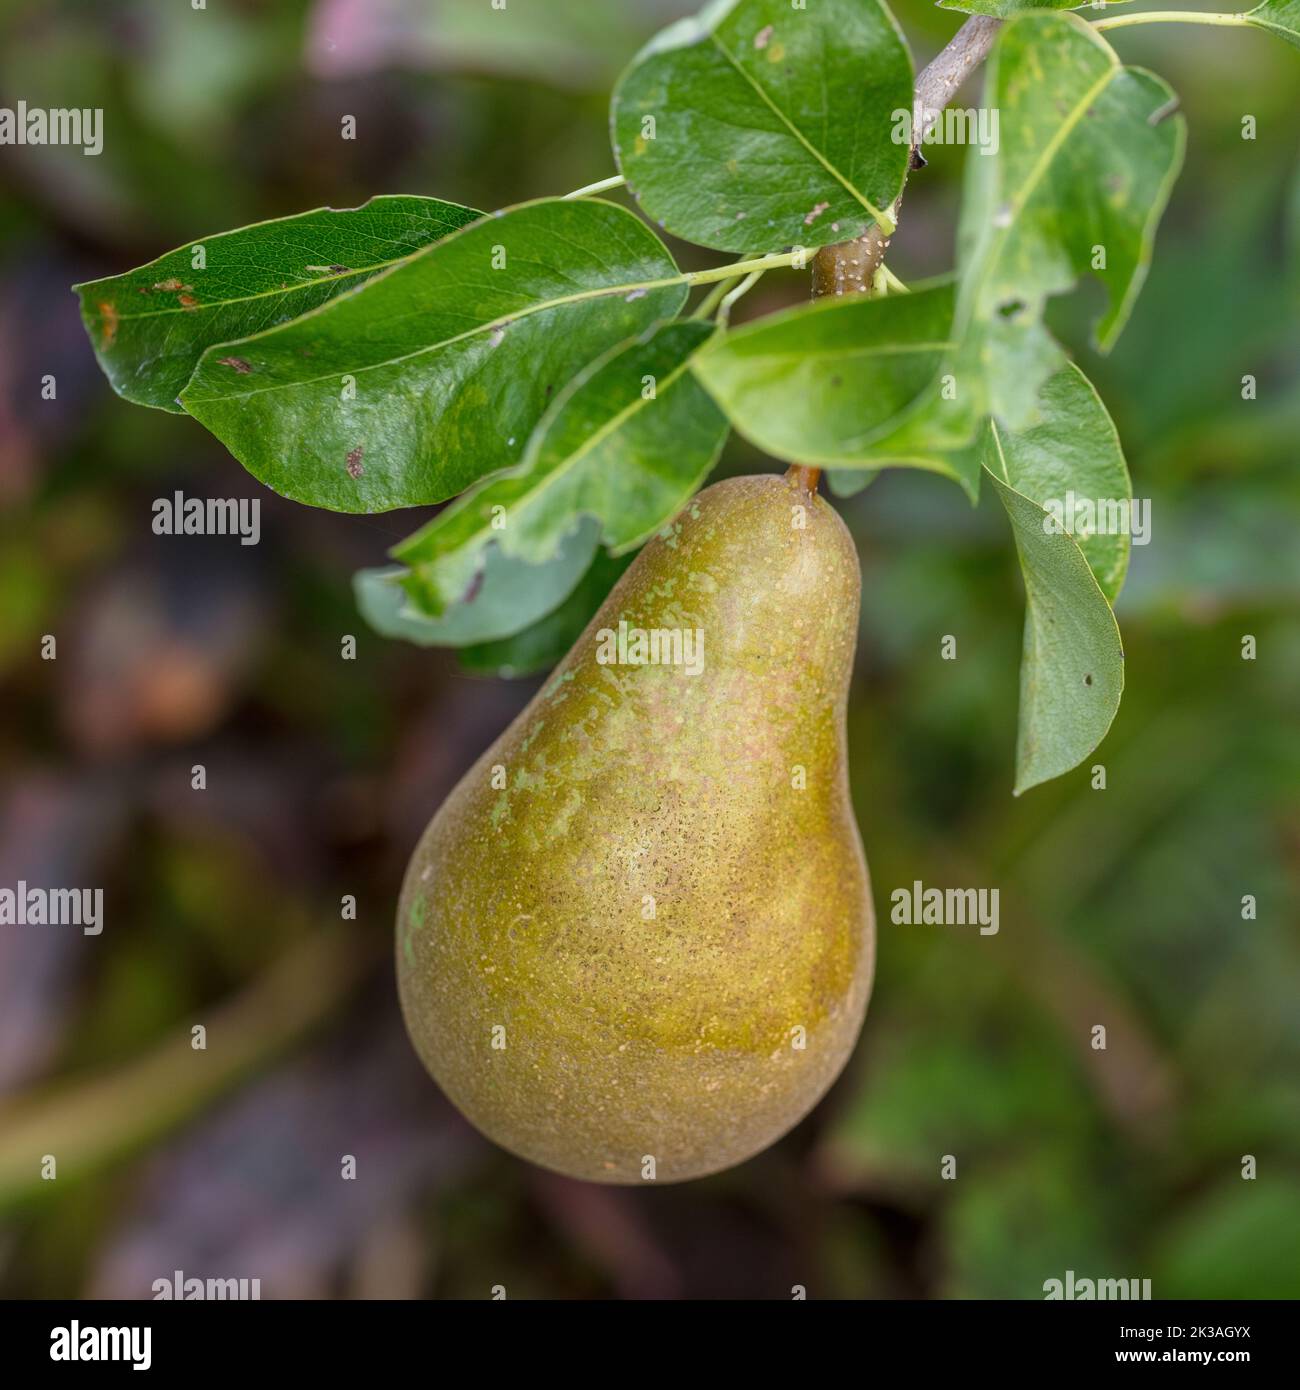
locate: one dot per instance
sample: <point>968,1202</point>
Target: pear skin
<point>637,940</point>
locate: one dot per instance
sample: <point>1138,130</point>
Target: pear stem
<point>804,477</point>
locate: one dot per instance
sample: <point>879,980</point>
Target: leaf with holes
<point>1088,150</point>
<point>150,327</point>
<point>756,123</point>
<point>627,442</point>
<point>433,374</point>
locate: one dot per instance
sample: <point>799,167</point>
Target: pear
<point>637,940</point>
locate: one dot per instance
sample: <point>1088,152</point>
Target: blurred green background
<point>1120,907</point>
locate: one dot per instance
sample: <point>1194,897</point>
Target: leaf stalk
<point>600,186</point>
<point>1171,17</point>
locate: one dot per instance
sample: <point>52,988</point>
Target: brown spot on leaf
<point>475,585</point>
<point>108,312</point>
<point>187,301</point>
<point>170,285</point>
<point>237,363</point>
<point>355,469</point>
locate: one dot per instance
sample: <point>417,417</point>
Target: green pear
<point>637,940</point>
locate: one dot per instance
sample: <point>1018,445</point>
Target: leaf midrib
<point>1044,162</point>
<point>501,322</point>
<point>795,131</point>
<point>301,285</point>
<point>203,308</point>
<point>880,350</point>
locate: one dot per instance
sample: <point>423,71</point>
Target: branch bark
<point>850,266</point>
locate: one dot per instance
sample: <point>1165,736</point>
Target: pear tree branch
<point>850,266</point>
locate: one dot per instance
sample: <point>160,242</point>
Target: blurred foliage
<point>1119,907</point>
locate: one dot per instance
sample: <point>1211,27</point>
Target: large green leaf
<point>826,382</point>
<point>627,442</point>
<point>1088,152</point>
<point>150,327</point>
<point>1072,667</point>
<point>758,123</point>
<point>509,596</point>
<point>1280,17</point>
<point>1072,455</point>
<point>433,374</point>
<point>939,431</point>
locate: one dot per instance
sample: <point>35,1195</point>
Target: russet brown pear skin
<point>637,941</point>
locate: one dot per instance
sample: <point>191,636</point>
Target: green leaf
<point>1071,455</point>
<point>150,326</point>
<point>940,432</point>
<point>545,643</point>
<point>1072,667</point>
<point>510,596</point>
<point>433,374</point>
<point>826,382</point>
<point>757,123</point>
<point>1280,17</point>
<point>845,484</point>
<point>605,449</point>
<point>933,435</point>
<point>1088,152</point>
